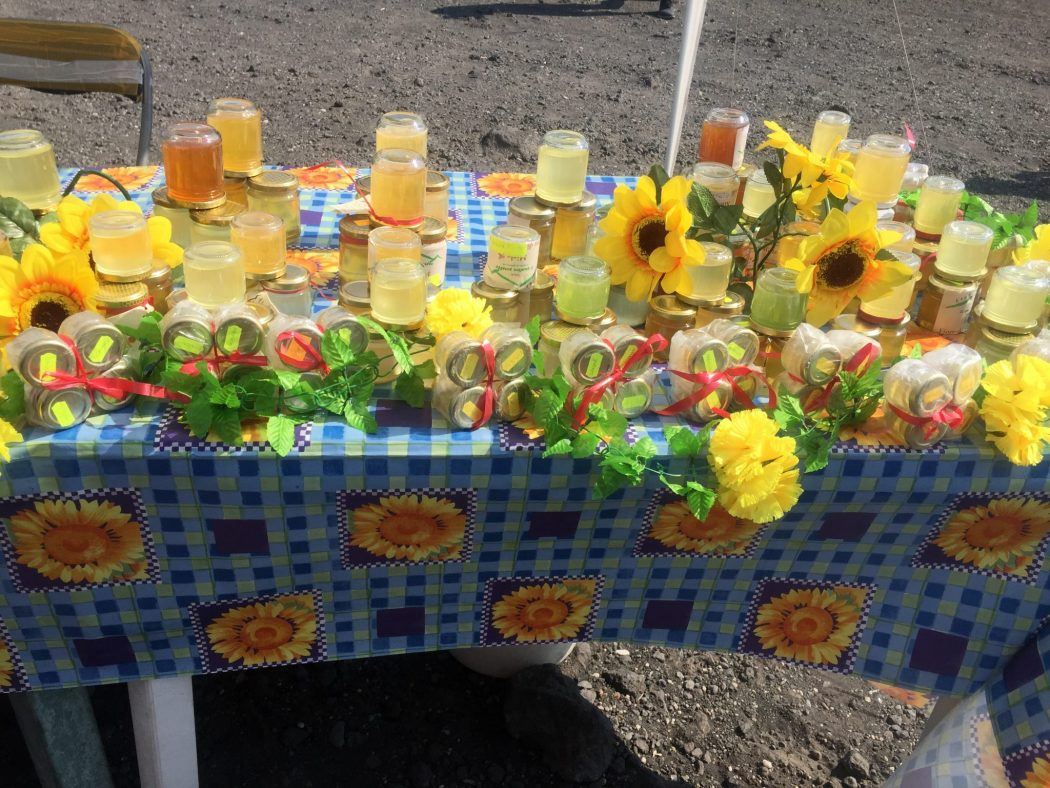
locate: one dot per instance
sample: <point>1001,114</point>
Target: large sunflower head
<point>43,291</point>
<point>841,262</point>
<point>644,241</point>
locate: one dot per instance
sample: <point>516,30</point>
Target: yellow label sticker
<point>594,365</point>
<point>469,365</point>
<point>710,362</point>
<point>62,414</point>
<point>626,355</point>
<point>826,366</point>
<point>736,351</point>
<point>48,363</point>
<point>472,411</point>
<point>513,359</point>
<point>507,248</point>
<point>633,402</point>
<point>714,400</point>
<point>232,339</point>
<point>101,348</point>
<point>187,344</point>
<point>513,402</point>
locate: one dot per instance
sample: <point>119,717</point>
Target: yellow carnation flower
<point>1015,408</point>
<point>8,434</point>
<point>457,310</point>
<point>1036,249</point>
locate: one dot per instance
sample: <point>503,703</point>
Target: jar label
<point>633,402</point>
<point>594,365</point>
<point>101,348</point>
<point>232,338</point>
<point>825,366</point>
<point>471,411</point>
<point>508,248</point>
<point>710,362</point>
<point>48,363</point>
<point>62,414</point>
<point>513,359</point>
<point>294,350</point>
<point>513,405</point>
<point>187,344</point>
<point>627,353</point>
<point>469,365</point>
<point>736,351</point>
<point>956,305</point>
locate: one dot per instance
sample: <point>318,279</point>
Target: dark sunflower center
<point>842,266</point>
<point>48,314</point>
<point>649,235</point>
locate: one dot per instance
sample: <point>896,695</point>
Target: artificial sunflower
<point>840,262</point>
<point>645,243</point>
<point>819,177</point>
<point>1036,249</point>
<point>455,309</point>
<point>44,290</point>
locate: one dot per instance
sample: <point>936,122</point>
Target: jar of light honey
<point>561,168</point>
<point>239,123</point>
<point>719,179</point>
<point>527,211</point>
<point>582,294</point>
<point>27,169</point>
<point>723,137</point>
<point>178,216</point>
<point>711,277</point>
<point>963,250</point>
<point>758,194</point>
<point>831,128</point>
<point>399,180</point>
<point>398,292</point>
<point>506,307</point>
<point>403,131</point>
<point>120,246</point>
<point>214,272</point>
<point>906,242</point>
<point>393,243</point>
<point>276,192</point>
<point>261,239</point>
<point>353,247</point>
<point>571,226</point>
<point>354,297</point>
<point>435,203</point>
<point>193,165</point>
<point>667,316</point>
<point>879,170</point>
<point>939,199</point>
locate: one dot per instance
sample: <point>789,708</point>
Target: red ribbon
<point>951,416</point>
<point>116,388</point>
<point>709,381</point>
<point>488,399</point>
<point>596,391</point>
<point>863,358</point>
<point>302,364</point>
<point>190,367</point>
<point>382,219</point>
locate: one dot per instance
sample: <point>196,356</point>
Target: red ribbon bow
<point>709,381</point>
<point>116,388</point>
<point>596,391</point>
<point>951,416</point>
<point>488,399</point>
<point>310,359</point>
<point>190,367</point>
<point>382,219</point>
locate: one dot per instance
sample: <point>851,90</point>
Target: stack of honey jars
<point>465,383</point>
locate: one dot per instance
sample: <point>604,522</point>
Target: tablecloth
<point>132,550</point>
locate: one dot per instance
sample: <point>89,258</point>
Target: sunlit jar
<point>193,166</point>
<point>810,356</point>
<point>906,242</point>
<point>27,169</point>
<point>260,237</point>
<point>994,345</point>
<point>276,192</point>
<point>513,253</point>
<point>100,343</point>
<point>961,365</point>
<point>37,352</point>
<point>402,130</point>
<point>1016,298</point>
<point>505,304</point>
<point>179,217</point>
<point>113,298</point>
<point>667,316</point>
<point>159,282</point>
<point>291,293</point>
<point>552,334</point>
<point>606,320</point>
<point>740,341</point>
<point>354,297</point>
<point>433,251</point>
<point>758,194</point>
<point>512,399</point>
<point>238,330</point>
<point>915,174</point>
<point>849,150</point>
<point>770,349</point>
<point>632,398</point>
<point>57,409</point>
<point>460,407</point>
<point>541,297</point>
<point>777,304</point>
<point>104,403</point>
<point>808,395</point>
<point>293,343</point>
<point>719,179</point>
<point>627,346</point>
<point>711,278</point>
<point>694,350</point>
<point>705,409</point>
<point>891,338</point>
<point>946,305</point>
<point>214,272</point>
<point>236,187</point>
<point>859,353</point>
<point>239,123</point>
<point>399,180</point>
<point>340,321</point>
<point>353,247</point>
<point>120,246</point>
<point>527,211</point>
<point>915,387</point>
<point>571,226</point>
<point>723,137</point>
<point>186,332</point>
<point>939,199</point>
<point>213,224</point>
<point>582,294</point>
<point>459,357</point>
<point>511,348</point>
<point>892,306</point>
<point>435,203</point>
<point>879,169</point>
<point>916,436</point>
<point>393,243</point>
<point>399,293</point>
<point>584,358</point>
<point>730,306</point>
<point>830,129</point>
<point>561,168</point>
<point>789,244</point>
<point>628,312</point>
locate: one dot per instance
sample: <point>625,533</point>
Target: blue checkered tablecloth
<point>133,551</point>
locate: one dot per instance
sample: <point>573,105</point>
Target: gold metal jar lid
<point>500,298</point>
<point>221,216</point>
<point>295,278</point>
<point>542,283</point>
<point>999,326</point>
<point>201,205</point>
<point>355,295</point>
<point>956,280</point>
<point>355,227</point>
<point>1008,341</point>
<point>160,197</point>
<point>274,181</point>
<point>363,184</point>
<point>235,186</point>
<point>772,333</point>
<point>857,324</point>
<point>432,230</point>
<point>532,210</point>
<point>437,181</point>
<point>670,308</point>
<point>159,276</point>
<point>114,295</point>
<point>586,203</point>
<point>557,331</point>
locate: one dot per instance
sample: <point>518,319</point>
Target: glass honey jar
<point>668,316</point>
<point>276,192</point>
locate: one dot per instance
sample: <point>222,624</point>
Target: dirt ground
<point>491,77</point>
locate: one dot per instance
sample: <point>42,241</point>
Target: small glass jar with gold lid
<point>541,297</point>
<point>505,303</point>
<point>115,298</point>
<point>527,211</point>
<point>277,192</point>
<point>435,203</point>
<point>214,224</point>
<point>730,306</point>
<point>571,226</point>
<point>668,316</point>
<point>353,247</point>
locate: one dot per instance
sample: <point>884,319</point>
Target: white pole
<point>165,736</point>
<point>694,22</point>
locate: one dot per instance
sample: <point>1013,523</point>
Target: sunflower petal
<point>640,285</point>
<point>661,260</point>
<point>825,305</point>
<point>55,238</point>
<point>645,192</point>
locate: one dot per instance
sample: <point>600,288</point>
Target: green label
<point>736,351</point>
<point>633,402</point>
<point>594,365</point>
<point>470,363</point>
<point>710,362</point>
<point>48,363</point>
<point>626,355</point>
<point>513,359</point>
<point>101,348</point>
<point>187,344</point>
<point>62,414</point>
<point>231,340</point>
<point>344,334</point>
<point>506,248</point>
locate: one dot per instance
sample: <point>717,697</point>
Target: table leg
<point>165,737</point>
<point>62,738</point>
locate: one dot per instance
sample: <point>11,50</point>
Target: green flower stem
<point>102,175</point>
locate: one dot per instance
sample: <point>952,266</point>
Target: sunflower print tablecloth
<point>133,550</point>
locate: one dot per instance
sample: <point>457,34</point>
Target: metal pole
<point>694,22</point>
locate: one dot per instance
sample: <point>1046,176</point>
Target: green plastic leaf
<point>1030,217</point>
<point>13,405</point>
<point>726,218</point>
<point>682,441</point>
<point>699,499</point>
<point>147,332</point>
<point>768,221</point>
<point>659,176</point>
<point>336,351</point>
<point>225,396</point>
<point>563,446</point>
<point>199,415</point>
<point>584,445</point>
<point>772,173</point>
<point>358,417</point>
<point>884,254</point>
<point>916,351</point>
<point>701,202</point>
<point>16,220</point>
<point>410,388</point>
<point>533,327</point>
<point>226,423</point>
<point>427,370</point>
<point>287,379</point>
<point>280,432</point>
